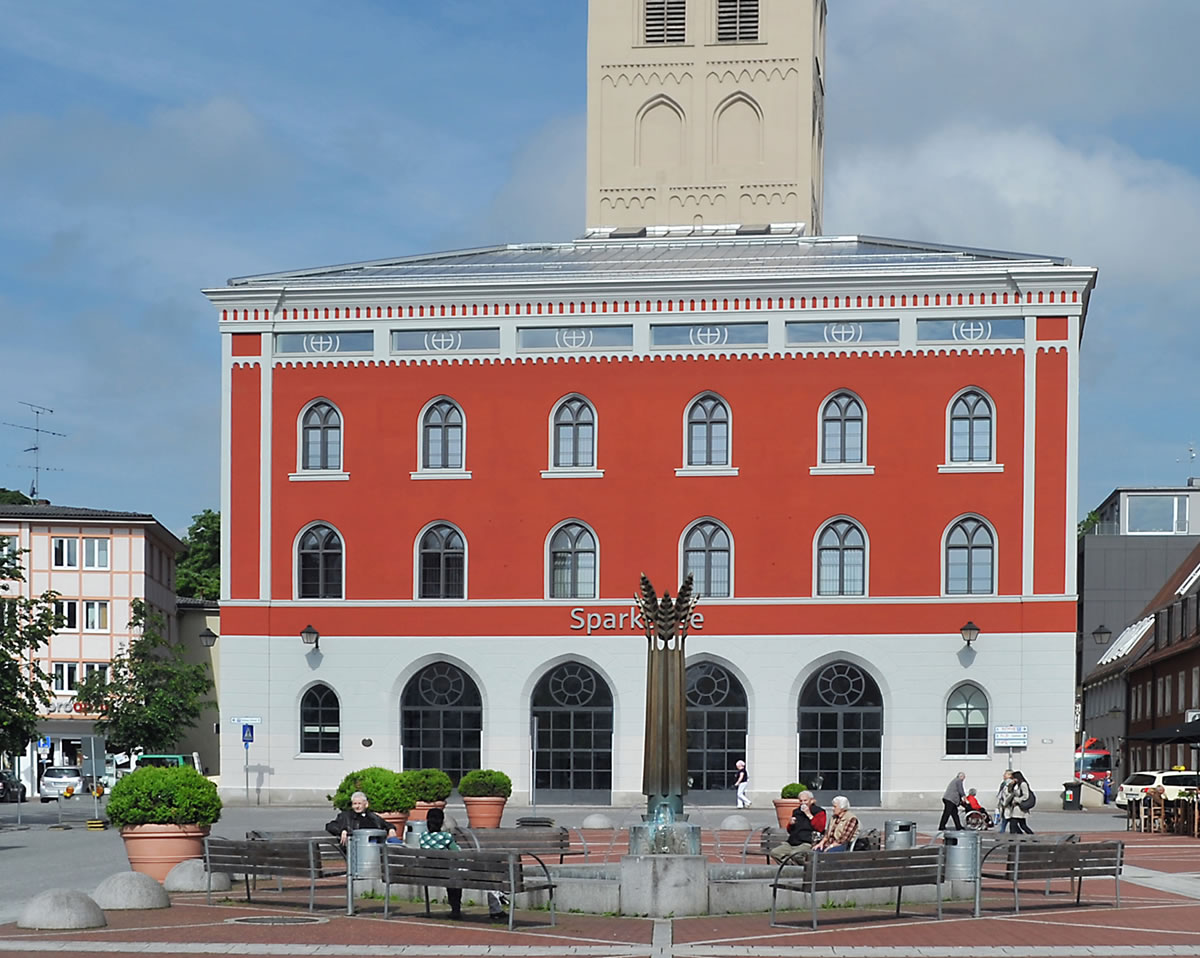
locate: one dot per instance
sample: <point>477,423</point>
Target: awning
<point>1184,732</point>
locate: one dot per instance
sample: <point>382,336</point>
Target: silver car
<point>58,778</point>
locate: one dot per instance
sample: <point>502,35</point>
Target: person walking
<point>1018,791</point>
<point>951,799</point>
<point>1004,783</point>
<point>741,781</point>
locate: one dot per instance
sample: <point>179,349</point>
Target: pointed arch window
<point>970,558</point>
<point>971,428</point>
<point>574,434</point>
<point>320,721</point>
<point>442,436</point>
<point>321,437</point>
<point>319,558</point>
<point>442,563</point>
<point>708,432</point>
<point>967,721</point>
<point>842,430</point>
<point>573,563</point>
<point>841,559</point>
<point>706,555</point>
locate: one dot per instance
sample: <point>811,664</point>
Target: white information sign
<point>246,720</point>
<point>1010,736</point>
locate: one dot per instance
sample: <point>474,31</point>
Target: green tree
<point>26,625</point>
<point>10,497</point>
<point>151,694</point>
<point>198,571</point>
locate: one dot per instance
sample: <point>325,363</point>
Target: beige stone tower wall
<point>705,129</point>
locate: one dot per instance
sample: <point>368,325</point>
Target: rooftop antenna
<point>1190,459</point>
<point>36,448</point>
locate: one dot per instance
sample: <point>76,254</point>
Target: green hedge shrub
<point>485,783</point>
<point>386,790</point>
<point>428,784</point>
<point>163,796</point>
<point>792,790</point>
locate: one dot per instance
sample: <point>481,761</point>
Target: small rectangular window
<point>666,21</point>
<point>65,675</point>
<point>68,611</point>
<point>66,553</point>
<point>95,553</point>
<point>737,21</point>
<point>95,616</point>
<point>96,668</point>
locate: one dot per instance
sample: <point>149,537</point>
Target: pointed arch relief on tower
<point>737,132</point>
<point>659,134</point>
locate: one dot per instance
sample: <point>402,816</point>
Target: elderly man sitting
<point>355,817</point>
<point>805,827</point>
<point>842,830</point>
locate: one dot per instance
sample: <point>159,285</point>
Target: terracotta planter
<point>398,821</point>
<point>418,813</point>
<point>155,849</point>
<point>484,811</point>
<point>785,808</point>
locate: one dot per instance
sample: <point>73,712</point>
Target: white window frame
<point>296,562</point>
<point>990,465</point>
<point>423,471</point>
<point>1176,496</point>
<point>92,544</point>
<point>102,610</point>
<point>319,756</point>
<point>66,673</point>
<point>942,557</point>
<point>90,668</point>
<point>549,562</point>
<point>728,469</point>
<point>70,543</point>
<point>682,558</point>
<point>816,561</point>
<point>416,565</point>
<point>988,746</point>
<point>68,609</point>
<point>823,468</point>
<point>10,544</point>
<point>318,475</point>
<point>553,471</point>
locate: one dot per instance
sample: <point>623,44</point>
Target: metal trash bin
<point>413,833</point>
<point>1072,799</point>
<point>962,855</point>
<point>530,821</point>
<point>363,859</point>
<point>898,834</point>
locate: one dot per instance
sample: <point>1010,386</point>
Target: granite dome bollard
<point>61,909</point>
<point>130,891</point>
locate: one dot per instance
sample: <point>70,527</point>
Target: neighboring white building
<point>98,561</point>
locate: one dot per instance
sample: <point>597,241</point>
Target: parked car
<point>11,789</point>
<point>1173,780</point>
<point>58,778</point>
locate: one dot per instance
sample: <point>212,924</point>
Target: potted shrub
<point>485,792</point>
<point>164,815</point>
<point>787,802</point>
<point>430,788</point>
<point>388,795</point>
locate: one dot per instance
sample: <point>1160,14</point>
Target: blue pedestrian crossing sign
<point>247,734</point>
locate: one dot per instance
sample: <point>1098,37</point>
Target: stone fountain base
<point>664,885</point>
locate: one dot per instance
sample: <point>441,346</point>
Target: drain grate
<point>277,920</point>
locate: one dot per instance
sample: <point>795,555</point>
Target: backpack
<point>1028,803</point>
<point>868,842</point>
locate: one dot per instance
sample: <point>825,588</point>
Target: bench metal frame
<point>250,858</point>
<point>1034,861</point>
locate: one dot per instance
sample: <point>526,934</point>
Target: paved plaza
<point>1159,913</point>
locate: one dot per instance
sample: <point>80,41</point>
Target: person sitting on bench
<point>434,837</point>
<point>806,827</point>
<point>840,835</point>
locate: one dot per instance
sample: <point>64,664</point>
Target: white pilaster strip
<point>1073,323</point>
<point>226,456</point>
<point>264,474</point>
<point>1030,454</point>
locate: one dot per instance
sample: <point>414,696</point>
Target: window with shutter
<point>737,21</point>
<point>665,21</point>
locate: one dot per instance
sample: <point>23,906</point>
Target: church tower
<point>705,112</point>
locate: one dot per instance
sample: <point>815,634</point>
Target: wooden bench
<point>310,857</point>
<point>528,840</point>
<point>766,839</point>
<point>844,871</point>
<point>1040,861</point>
<point>500,871</point>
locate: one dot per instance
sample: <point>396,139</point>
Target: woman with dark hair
<point>1016,793</point>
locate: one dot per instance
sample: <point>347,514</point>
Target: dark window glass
<point>716,726</point>
<point>841,559</point>
<point>708,433</point>
<point>442,436</point>
<point>967,721</point>
<point>969,558</point>
<point>842,430</point>
<point>320,720</point>
<point>322,437</point>
<point>320,564</point>
<point>574,435</point>
<point>443,564</point>
<point>706,556</point>
<point>441,720</point>
<point>971,428</point>
<point>573,563</point>
<point>573,709</point>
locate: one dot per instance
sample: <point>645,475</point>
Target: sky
<point>150,150</point>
